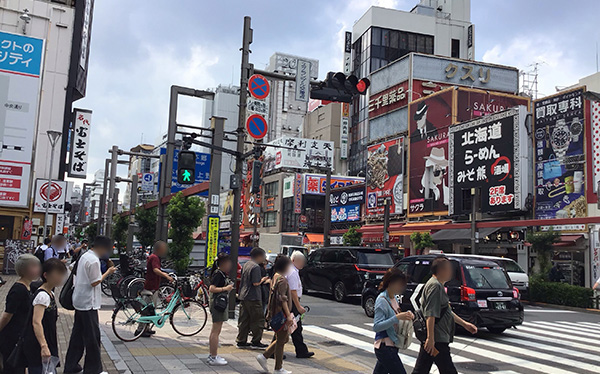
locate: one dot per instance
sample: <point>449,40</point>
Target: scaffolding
<point>529,81</point>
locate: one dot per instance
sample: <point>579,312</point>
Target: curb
<point>562,307</point>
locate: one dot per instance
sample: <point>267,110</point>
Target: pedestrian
<point>440,321</point>
<point>40,342</point>
<point>387,315</point>
<point>18,304</point>
<point>556,274</point>
<point>293,278</point>
<point>42,247</point>
<point>596,285</point>
<point>61,246</point>
<point>87,298</point>
<point>79,250</point>
<point>252,318</point>
<point>280,304</point>
<point>52,250</point>
<point>220,285</point>
<point>266,285</point>
<point>154,275</point>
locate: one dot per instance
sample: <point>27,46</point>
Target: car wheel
<point>369,306</point>
<point>496,330</point>
<point>339,292</point>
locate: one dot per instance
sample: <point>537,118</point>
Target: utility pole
<point>112,187</point>
<point>239,161</point>
<point>53,137</point>
<point>132,206</point>
<point>386,223</point>
<point>102,211</point>
<point>327,226</point>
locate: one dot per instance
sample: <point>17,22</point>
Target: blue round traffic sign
<point>148,177</point>
<point>256,125</point>
<point>258,86</point>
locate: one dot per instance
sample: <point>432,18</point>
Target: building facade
<point>137,165</point>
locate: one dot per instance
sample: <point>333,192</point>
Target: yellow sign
<point>212,240</point>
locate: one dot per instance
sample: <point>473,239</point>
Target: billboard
<point>346,213</point>
<point>385,177</point>
<point>353,195</point>
<point>560,156</point>
<point>54,195</point>
<point>429,119</point>
<point>471,104</point>
<point>486,153</point>
<point>388,100</point>
<point>298,153</point>
<point>80,139</point>
<point>315,184</point>
<point>21,61</point>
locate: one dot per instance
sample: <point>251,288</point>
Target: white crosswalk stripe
<point>559,347</point>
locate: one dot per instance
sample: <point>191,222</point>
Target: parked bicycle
<point>187,316</point>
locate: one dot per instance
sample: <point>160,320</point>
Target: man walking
<point>440,319</point>
<point>87,301</point>
<point>298,262</point>
<point>251,317</point>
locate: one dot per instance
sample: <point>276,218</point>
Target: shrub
<point>352,237</point>
<point>559,293</point>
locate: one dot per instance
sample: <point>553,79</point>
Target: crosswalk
<point>557,347</point>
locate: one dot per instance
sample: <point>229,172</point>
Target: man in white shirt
<point>293,278</point>
<point>87,299</point>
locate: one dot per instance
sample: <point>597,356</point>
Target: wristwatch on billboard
<point>576,129</point>
<point>560,138</point>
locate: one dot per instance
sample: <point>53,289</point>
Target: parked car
<point>517,275</point>
<point>481,291</point>
<point>342,271</point>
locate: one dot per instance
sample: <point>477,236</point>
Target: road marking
<point>561,329</point>
<point>552,339</point>
<point>569,339</point>
<point>594,324</point>
<point>577,327</point>
<point>549,311</point>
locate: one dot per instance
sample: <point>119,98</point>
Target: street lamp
<point>53,137</point>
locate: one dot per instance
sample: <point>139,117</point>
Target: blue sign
<point>21,54</point>
<point>256,125</point>
<point>345,213</point>
<point>202,169</point>
<point>258,86</point>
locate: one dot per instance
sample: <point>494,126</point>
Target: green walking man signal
<point>186,167</point>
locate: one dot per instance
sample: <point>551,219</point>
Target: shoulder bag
<point>404,331</point>
<point>66,294</point>
<point>221,300</point>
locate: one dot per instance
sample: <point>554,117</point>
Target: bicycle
<point>197,287</point>
<point>187,316</point>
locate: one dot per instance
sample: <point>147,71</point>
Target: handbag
<point>66,294</point>
<point>404,332</point>
<point>221,300</point>
<point>278,321</point>
<point>17,356</point>
<point>420,324</point>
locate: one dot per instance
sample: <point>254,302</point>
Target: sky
<point>137,52</point>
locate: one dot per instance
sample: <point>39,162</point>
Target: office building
<point>137,165</point>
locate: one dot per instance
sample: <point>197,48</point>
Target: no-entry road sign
<point>258,86</point>
<point>256,125</point>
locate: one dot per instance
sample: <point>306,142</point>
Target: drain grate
<point>475,366</point>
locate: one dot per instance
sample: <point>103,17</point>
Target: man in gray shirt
<point>441,321</point>
<point>250,295</point>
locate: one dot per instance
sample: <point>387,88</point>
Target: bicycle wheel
<point>124,285</point>
<point>202,296</point>
<point>188,318</point>
<point>135,287</point>
<point>124,321</point>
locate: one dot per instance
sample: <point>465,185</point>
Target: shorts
<point>216,315</point>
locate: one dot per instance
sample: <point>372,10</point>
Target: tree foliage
<point>90,231</point>
<point>543,243</point>
<point>421,240</point>
<point>352,237</point>
<point>79,232</point>
<point>185,215</point>
<point>146,220</point>
<point>119,231</point>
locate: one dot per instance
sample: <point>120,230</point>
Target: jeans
<point>443,360</point>
<point>388,361</point>
<point>297,339</point>
<point>251,319</point>
<point>276,348</point>
<point>85,336</point>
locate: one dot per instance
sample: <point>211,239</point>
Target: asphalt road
<point>551,341</point>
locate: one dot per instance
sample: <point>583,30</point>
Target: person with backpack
<point>385,321</point>
<point>40,251</point>
<point>40,341</point>
<point>87,297</point>
<point>440,321</point>
<point>220,286</point>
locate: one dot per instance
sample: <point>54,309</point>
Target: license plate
<point>500,306</point>
<point>482,303</point>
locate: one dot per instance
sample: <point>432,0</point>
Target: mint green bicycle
<point>186,315</point>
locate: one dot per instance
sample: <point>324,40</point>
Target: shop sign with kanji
<point>80,143</point>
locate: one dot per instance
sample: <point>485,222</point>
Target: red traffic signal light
<point>363,85</point>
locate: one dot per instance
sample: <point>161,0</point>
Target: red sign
<point>10,183</point>
<point>9,196</point>
<point>385,177</point>
<point>303,219</point>
<point>11,170</point>
<point>55,192</point>
<point>258,86</point>
<point>256,125</point>
<point>388,100</point>
<point>27,226</point>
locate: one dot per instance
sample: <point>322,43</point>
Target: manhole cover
<point>474,366</point>
<point>331,343</point>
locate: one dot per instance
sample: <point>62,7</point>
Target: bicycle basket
<point>187,290</point>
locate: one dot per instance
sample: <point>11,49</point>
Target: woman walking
<point>278,313</point>
<point>387,315</point>
<point>18,303</point>
<point>40,339</point>
<point>220,286</point>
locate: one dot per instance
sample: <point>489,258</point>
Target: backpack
<point>39,253</point>
<point>66,294</point>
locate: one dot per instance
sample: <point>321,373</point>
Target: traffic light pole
<point>132,206</point>
<point>114,159</point>
<point>218,127</point>
<point>327,225</point>
<point>239,161</point>
<point>102,210</point>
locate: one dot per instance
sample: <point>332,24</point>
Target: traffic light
<point>186,167</point>
<point>256,179</point>
<point>339,87</point>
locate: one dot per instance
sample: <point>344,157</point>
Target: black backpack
<point>39,253</point>
<point>66,294</point>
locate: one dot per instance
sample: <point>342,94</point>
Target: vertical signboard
<point>60,224</point>
<point>595,255</point>
<point>560,156</point>
<point>80,143</point>
<point>485,153</point>
<point>470,48</point>
<point>344,131</point>
<point>212,240</point>
<point>385,177</point>
<point>595,119</point>
<point>347,53</point>
<point>20,70</point>
<point>303,80</point>
<point>298,193</point>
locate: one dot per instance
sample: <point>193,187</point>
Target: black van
<point>481,291</point>
<point>342,271</point>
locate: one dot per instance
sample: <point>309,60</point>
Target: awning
<point>379,228</point>
<point>461,234</point>
<point>411,227</point>
<point>567,240</point>
<point>314,238</point>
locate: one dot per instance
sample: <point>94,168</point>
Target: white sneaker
<point>216,361</point>
<point>282,371</point>
<point>262,360</point>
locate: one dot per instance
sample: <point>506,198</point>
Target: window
<point>486,277</point>
<point>271,189</point>
<point>329,256</point>
<point>403,267</point>
<point>270,219</point>
<point>376,36</point>
<point>375,258</point>
<point>422,271</point>
<point>455,48</point>
<point>346,257</point>
<point>511,266</point>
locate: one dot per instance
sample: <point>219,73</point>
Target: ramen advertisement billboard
<point>385,177</point>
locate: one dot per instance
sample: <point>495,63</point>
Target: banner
<point>485,153</point>
<point>298,193</point>
<point>298,153</point>
<point>212,240</point>
<point>385,177</point>
<point>349,196</point>
<point>477,103</point>
<point>559,155</point>
<point>80,143</point>
<point>315,184</point>
<point>348,213</point>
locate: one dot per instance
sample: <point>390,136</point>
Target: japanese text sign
<point>80,143</point>
<point>388,100</point>
<point>345,213</point>
<point>52,196</point>
<point>385,162</point>
<point>21,54</point>
<point>298,153</point>
<point>212,240</point>
<point>315,184</point>
<point>348,196</point>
